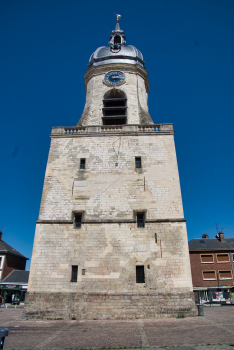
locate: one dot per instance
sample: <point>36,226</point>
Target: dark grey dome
<point>116,52</point>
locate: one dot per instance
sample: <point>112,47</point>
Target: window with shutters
<point>114,108</point>
<point>140,274</point>
<point>209,275</point>
<point>222,258</point>
<point>207,258</point>
<point>225,275</point>
<point>74,273</point>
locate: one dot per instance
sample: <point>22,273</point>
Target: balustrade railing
<point>76,130</point>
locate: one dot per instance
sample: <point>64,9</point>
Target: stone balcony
<point>71,131</point>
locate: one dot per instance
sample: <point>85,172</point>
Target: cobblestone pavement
<point>214,331</point>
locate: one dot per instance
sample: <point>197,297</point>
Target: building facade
<point>212,266</point>
<point>111,238</point>
<point>10,259</point>
<point>14,287</point>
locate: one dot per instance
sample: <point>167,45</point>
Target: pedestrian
<point>0,300</point>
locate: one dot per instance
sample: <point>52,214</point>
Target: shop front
<point>12,293</point>
<point>215,295</point>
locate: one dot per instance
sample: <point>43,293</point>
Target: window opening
<point>78,220</point>
<point>225,275</point>
<point>208,258</point>
<point>114,108</point>
<point>117,40</point>
<point>209,275</point>
<point>155,237</point>
<point>140,219</point>
<point>82,163</point>
<point>74,273</point>
<point>222,258</point>
<point>138,162</point>
<point>83,271</point>
<point>140,274</point>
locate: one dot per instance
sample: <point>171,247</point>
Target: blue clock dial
<point>114,78</point>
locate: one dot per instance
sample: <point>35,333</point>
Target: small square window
<point>74,273</point>
<point>140,219</point>
<point>82,163</point>
<point>138,162</point>
<point>77,220</point>
<point>140,274</point>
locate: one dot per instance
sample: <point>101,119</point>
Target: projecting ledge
<point>66,131</point>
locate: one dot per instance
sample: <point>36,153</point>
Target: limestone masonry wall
<point>94,306</point>
<point>109,245</point>
<point>134,89</point>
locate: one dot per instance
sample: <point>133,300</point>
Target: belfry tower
<point>111,238</point>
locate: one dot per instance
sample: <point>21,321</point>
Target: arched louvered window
<point>114,108</point>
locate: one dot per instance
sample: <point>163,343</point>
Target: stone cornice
<point>66,222</point>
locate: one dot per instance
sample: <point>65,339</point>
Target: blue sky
<point>189,53</point>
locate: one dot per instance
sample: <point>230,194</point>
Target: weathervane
<point>118,17</point>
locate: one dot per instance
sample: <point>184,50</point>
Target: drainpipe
<point>232,266</point>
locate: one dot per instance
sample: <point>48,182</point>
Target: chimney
<point>205,235</point>
<point>0,235</point>
<point>220,236</point>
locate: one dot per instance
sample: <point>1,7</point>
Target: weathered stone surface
<point>135,88</point>
<point>109,305</point>
<point>108,194</point>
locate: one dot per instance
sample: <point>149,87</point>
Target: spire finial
<point>117,27</point>
<point>117,17</point>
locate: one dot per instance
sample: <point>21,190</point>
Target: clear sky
<point>189,53</point>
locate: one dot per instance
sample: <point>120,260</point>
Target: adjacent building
<point>212,266</point>
<point>14,287</point>
<point>10,259</point>
<point>12,266</point>
<point>111,239</point>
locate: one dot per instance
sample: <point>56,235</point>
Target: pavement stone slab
<point>214,331</point>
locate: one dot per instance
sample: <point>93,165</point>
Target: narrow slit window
<point>140,219</point>
<point>155,237</point>
<point>138,162</point>
<point>140,274</point>
<point>74,273</point>
<point>78,218</point>
<point>82,163</point>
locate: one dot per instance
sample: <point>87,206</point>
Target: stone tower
<point>111,238</point>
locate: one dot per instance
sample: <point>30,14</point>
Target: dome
<point>116,52</point>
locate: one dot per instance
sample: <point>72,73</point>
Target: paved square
<point>214,331</point>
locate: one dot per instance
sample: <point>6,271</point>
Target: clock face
<point>114,78</point>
